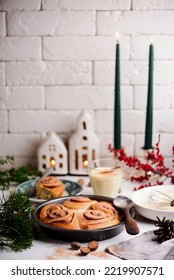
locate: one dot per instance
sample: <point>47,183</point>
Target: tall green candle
<point>117,113</point>
<point>149,109</point>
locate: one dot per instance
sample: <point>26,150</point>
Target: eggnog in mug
<point>105,177</point>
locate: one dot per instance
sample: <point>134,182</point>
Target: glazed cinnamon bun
<point>106,207</point>
<point>59,216</point>
<point>96,219</point>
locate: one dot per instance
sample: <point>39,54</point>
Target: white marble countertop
<point>46,248</point>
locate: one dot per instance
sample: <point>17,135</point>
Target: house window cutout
<point>60,155</point>
<point>84,148</point>
<point>44,157</point>
<point>93,154</point>
<point>61,165</point>
<point>84,125</point>
<point>76,159</point>
<point>85,161</point>
<point>85,138</point>
<point>52,162</point>
<point>44,166</point>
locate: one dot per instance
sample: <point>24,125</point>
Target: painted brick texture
<point>58,56</point>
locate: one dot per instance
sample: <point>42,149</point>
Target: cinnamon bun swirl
<point>107,208</point>
<point>59,216</point>
<point>79,202</point>
<point>96,219</point>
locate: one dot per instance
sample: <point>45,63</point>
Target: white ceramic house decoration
<point>52,153</point>
<point>83,145</point>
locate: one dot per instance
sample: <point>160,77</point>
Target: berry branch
<point>154,165</point>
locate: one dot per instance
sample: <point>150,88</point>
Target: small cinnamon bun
<point>49,187</point>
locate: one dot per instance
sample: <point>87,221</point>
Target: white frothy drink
<point>106,181</point>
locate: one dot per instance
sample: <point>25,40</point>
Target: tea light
<point>85,164</point>
<point>52,162</point>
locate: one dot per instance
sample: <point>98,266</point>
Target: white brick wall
<point>87,5</point>
<point>94,97</point>
<point>162,97</point>
<point>163,47</point>
<point>20,48</point>
<point>144,22</point>
<point>9,5</point>
<point>83,48</point>
<point>2,73</point>
<point>3,122</point>
<point>58,56</point>
<point>48,73</point>
<point>46,23</point>
<point>41,121</point>
<point>153,5</point>
<point>25,98</point>
<point>2,24</point>
<point>24,144</point>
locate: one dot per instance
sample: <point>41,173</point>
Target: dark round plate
<point>79,235</point>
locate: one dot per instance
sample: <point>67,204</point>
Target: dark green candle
<point>117,113</point>
<point>149,110</point>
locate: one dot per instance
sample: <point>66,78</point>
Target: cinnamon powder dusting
<point>100,254</point>
<point>65,254</point>
<point>62,253</point>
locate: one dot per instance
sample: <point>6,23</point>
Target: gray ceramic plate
<point>72,188</point>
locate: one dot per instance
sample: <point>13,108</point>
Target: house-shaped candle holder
<point>83,145</point>
<point>52,153</point>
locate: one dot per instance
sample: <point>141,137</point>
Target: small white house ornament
<point>52,153</point>
<point>83,145</point>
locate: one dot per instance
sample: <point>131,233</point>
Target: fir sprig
<point>23,174</point>
<point>6,160</point>
<point>18,175</point>
<point>17,228</point>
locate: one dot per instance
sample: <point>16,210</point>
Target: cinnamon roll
<point>96,219</point>
<point>79,202</point>
<point>59,216</point>
<point>49,187</point>
<point>107,208</point>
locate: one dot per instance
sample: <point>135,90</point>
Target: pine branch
<point>18,175</point>
<point>17,228</point>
